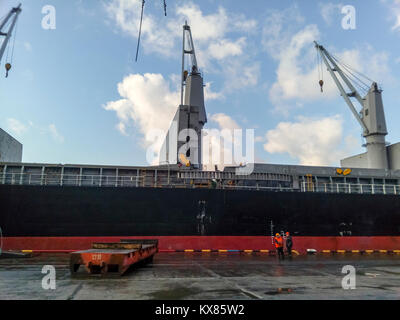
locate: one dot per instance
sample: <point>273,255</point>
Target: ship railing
<point>49,179</point>
<point>357,188</point>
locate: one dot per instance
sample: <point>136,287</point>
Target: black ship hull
<point>85,212</point>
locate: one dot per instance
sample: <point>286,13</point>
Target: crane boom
<point>14,12</point>
<point>371,117</point>
<point>346,96</point>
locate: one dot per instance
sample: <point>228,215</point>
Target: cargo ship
<point>66,207</point>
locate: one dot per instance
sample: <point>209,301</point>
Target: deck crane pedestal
<point>371,117</point>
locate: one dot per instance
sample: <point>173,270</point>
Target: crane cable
<point>354,70</point>
<point>15,36</point>
<point>9,62</point>
<point>141,22</point>
<point>357,80</point>
<point>140,30</point>
<point>320,70</point>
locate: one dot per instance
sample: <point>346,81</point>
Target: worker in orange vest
<point>278,241</point>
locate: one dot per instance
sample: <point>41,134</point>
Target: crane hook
<point>321,84</point>
<point>8,68</point>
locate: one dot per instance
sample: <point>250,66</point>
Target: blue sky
<point>62,101</point>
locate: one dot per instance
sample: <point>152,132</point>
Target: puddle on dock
<point>177,293</point>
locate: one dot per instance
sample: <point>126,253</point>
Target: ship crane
<point>371,117</point>
<point>4,23</point>
<point>191,114</point>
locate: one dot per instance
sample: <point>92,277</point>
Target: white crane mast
<point>371,117</point>
<point>191,113</point>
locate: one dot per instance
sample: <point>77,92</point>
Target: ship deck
<point>209,277</point>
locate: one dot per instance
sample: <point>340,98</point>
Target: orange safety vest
<point>278,242</point>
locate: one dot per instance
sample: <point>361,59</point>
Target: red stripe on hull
<point>168,243</point>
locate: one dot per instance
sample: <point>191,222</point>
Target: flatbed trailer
<point>116,257</point>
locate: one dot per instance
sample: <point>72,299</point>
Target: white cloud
<point>291,44</point>
<point>19,128</point>
<point>241,23</point>
<point>241,75</point>
<point>216,35</point>
<point>311,141</point>
<point>224,121</point>
<point>278,28</point>
<point>147,101</point>
<point>16,126</point>
<point>163,36</point>
<point>329,10</point>
<point>295,76</point>
<point>204,27</point>
<point>126,15</point>
<point>28,46</point>
<point>211,95</point>
<point>395,9</point>
<point>225,48</point>
<point>55,134</point>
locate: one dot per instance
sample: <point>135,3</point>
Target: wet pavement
<point>210,277</point>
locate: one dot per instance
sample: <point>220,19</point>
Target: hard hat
<point>277,235</point>
<point>287,233</point>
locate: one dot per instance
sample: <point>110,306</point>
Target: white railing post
<point>62,177</point>
<point>4,174</point>
<point>21,178</point>
<point>101,177</point>
<point>42,176</point>
<point>80,176</point>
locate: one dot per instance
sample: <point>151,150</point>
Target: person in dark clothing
<point>278,241</point>
<point>289,243</point>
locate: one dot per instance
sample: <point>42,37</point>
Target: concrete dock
<point>209,276</point>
